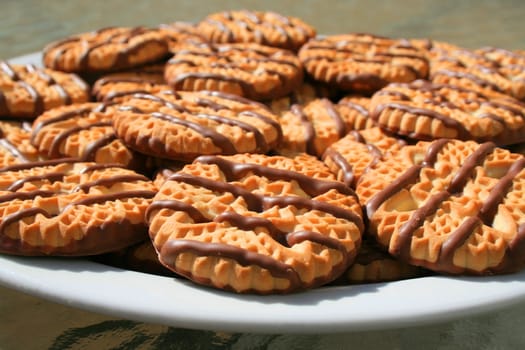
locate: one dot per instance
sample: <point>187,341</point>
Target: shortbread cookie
<point>250,70</point>
<point>315,126</point>
<point>83,131</point>
<point>490,71</point>
<point>179,33</point>
<point>256,224</point>
<point>425,111</point>
<point>146,79</point>
<point>305,93</point>
<point>452,206</point>
<point>107,49</point>
<point>372,265</point>
<point>27,91</point>
<point>183,125</point>
<point>363,63</point>
<point>261,27</point>
<point>357,152</point>
<point>68,208</point>
<point>15,144</point>
<point>356,109</point>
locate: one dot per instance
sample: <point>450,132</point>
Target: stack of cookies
<point>247,153</point>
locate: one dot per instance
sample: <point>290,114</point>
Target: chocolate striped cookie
<point>256,224</point>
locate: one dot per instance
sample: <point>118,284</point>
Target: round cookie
<point>362,63</point>
<point>69,208</point>
<point>372,265</point>
<point>316,125</point>
<point>15,144</point>
<point>491,71</point>
<point>261,27</point>
<point>83,131</point>
<point>107,49</point>
<point>250,70</point>
<point>256,224</point>
<point>26,91</point>
<point>358,152</point>
<point>451,206</point>
<point>183,125</point>
<point>146,79</point>
<point>305,93</point>
<point>424,110</point>
<point>179,33</point>
<point>356,108</point>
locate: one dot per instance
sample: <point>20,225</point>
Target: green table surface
<point>29,322</point>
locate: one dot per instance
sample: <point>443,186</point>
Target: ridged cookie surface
<point>68,208</point>
<point>455,207</point>
<point>255,223</point>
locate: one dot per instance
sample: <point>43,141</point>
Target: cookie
<point>490,71</point>
<point>69,208</point>
<point>26,91</point>
<point>183,125</point>
<point>426,111</point>
<point>372,265</point>
<point>180,33</point>
<point>107,49</point>
<point>356,109</point>
<point>358,152</point>
<point>15,144</point>
<point>363,63</point>
<point>250,70</point>
<point>261,27</point>
<point>83,131</point>
<point>146,79</point>
<point>452,206</point>
<point>315,126</point>
<point>305,93</point>
<point>256,224</point>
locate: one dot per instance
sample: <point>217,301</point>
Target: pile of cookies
<point>248,153</point>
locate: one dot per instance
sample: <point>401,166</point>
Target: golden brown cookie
<point>372,265</point>
<point>306,92</point>
<point>250,70</point>
<point>183,125</point>
<point>356,108</point>
<point>425,111</point>
<point>146,79</point>
<point>15,144</point>
<point>256,224</point>
<point>363,63</point>
<point>261,27</point>
<point>107,49</point>
<point>358,152</point>
<point>180,33</point>
<point>491,71</point>
<point>26,91</point>
<point>69,208</point>
<point>83,131</point>
<point>452,206</point>
<point>316,125</point>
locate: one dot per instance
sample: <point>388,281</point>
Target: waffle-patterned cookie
<point>107,49</point>
<point>69,208</point>
<point>15,144</point>
<point>315,126</point>
<point>305,93</point>
<point>180,33</point>
<point>356,109</point>
<point>491,71</point>
<point>27,91</point>
<point>363,63</point>
<point>250,70</point>
<point>452,206</point>
<point>146,79</point>
<point>255,223</point>
<point>357,152</point>
<point>83,131</point>
<point>372,265</point>
<point>183,125</point>
<point>425,111</point>
<point>261,27</point>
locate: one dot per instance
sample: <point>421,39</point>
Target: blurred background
<point>27,25</point>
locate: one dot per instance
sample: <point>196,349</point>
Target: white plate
<point>174,302</point>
